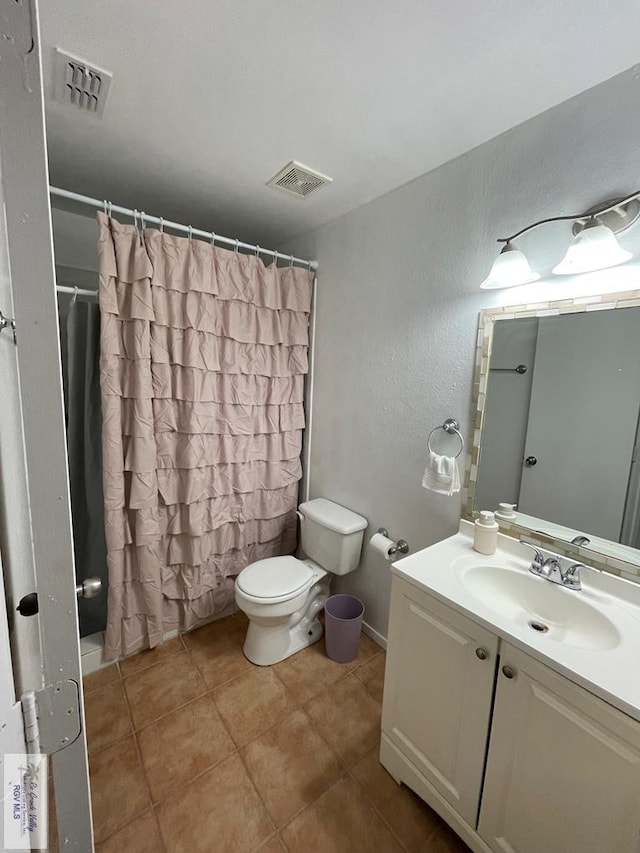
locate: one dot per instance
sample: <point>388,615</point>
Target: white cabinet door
<point>438,690</point>
<point>563,772</point>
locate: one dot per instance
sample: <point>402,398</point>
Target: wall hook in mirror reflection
<point>521,368</point>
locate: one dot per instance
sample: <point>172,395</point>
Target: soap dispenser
<point>506,512</point>
<point>485,535</point>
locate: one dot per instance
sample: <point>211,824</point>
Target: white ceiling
<point>210,99</point>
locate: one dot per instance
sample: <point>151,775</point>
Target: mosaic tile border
<point>629,569</point>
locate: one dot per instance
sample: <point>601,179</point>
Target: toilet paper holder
<point>401,547</point>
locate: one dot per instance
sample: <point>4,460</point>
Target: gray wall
<point>75,237</point>
<point>398,304</point>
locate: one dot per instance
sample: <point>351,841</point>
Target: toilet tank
<point>331,535</point>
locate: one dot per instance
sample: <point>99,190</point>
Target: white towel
<point>441,474</point>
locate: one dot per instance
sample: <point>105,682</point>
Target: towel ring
<point>452,427</point>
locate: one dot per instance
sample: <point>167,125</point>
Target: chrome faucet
<point>554,569</point>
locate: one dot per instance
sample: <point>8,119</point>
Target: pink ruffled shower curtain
<point>203,356</point>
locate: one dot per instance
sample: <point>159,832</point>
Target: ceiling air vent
<point>298,180</point>
<point>80,84</point>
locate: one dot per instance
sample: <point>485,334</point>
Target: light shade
<point>595,248</point>
<point>509,269</point>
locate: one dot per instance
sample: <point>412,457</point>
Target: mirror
<point>558,424</point>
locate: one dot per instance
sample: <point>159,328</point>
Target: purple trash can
<point>343,615</point>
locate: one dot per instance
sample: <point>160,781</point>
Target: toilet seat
<point>275,579</point>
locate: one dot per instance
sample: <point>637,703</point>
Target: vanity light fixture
<point>594,246</point>
<point>509,269</point>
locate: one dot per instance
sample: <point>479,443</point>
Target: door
<point>35,519</point>
<point>563,771</point>
<point>582,420</point>
<point>438,691</point>
<point>12,737</point>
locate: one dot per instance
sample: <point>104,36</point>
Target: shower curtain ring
<point>143,223</point>
<point>135,218</point>
<point>213,239</point>
<point>104,204</point>
<point>190,233</point>
<point>110,204</point>
<point>75,295</point>
<point>290,261</point>
<point>257,251</point>
<point>162,225</point>
<point>237,245</point>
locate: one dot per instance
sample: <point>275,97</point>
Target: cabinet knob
<point>483,654</point>
<point>508,671</point>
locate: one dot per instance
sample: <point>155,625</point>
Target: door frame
<point>29,245</point>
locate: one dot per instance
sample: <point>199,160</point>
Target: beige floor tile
<point>341,821</point>
<point>366,649</point>
<point>309,672</point>
<point>182,745</point>
<point>371,674</point>
<point>220,659</point>
<point>412,821</point>
<point>118,789</point>
<point>162,688</point>
<point>218,811</point>
<point>106,716</point>
<point>347,718</point>
<point>241,617</point>
<point>274,845</point>
<point>290,766</point>
<point>140,836</point>
<point>446,841</point>
<point>252,703</point>
<point>100,678</point>
<point>149,657</point>
<point>229,626</point>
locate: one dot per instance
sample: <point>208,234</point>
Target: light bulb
<point>509,269</point>
<point>594,248</point>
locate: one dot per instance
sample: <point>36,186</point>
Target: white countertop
<point>612,673</point>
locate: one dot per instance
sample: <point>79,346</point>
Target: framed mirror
<point>557,426</point>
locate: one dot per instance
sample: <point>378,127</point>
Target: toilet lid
<point>274,577</point>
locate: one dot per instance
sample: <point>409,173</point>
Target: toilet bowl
<point>283,596</point>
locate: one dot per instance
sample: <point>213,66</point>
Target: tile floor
<point>192,748</point>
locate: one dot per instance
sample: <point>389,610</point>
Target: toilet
<point>283,596</point>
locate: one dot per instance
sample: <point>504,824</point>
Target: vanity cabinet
<point>438,693</point>
<point>563,769</point>
<point>562,766</point>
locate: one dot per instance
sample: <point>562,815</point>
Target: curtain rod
<point>75,291</point>
<point>176,226</point>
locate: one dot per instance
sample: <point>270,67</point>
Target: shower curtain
<point>80,338</point>
<point>203,356</point>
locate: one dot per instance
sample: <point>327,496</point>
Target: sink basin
<point>546,608</point>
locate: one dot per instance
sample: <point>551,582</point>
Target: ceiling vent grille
<point>298,181</point>
<point>81,85</point>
